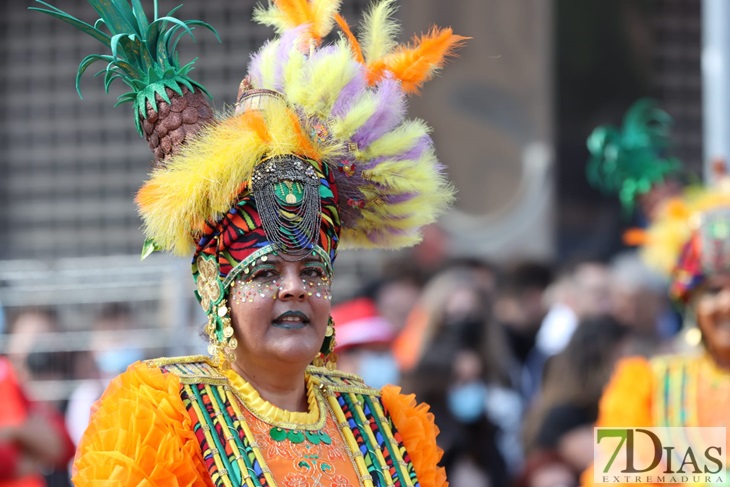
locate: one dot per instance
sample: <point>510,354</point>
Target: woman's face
<point>280,310</point>
<point>713,316</point>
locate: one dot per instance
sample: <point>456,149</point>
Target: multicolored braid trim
<point>672,378</point>
<point>232,455</point>
<point>675,403</point>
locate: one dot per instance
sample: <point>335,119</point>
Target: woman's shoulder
<point>338,381</point>
<point>630,375</point>
<point>163,374</point>
<point>662,363</point>
<point>140,420</point>
<point>189,368</point>
<point>627,398</point>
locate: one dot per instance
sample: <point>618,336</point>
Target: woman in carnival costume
<point>317,154</point>
<point>690,241</point>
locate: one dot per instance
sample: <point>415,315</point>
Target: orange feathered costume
<point>145,430</point>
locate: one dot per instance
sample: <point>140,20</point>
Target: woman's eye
<point>264,274</point>
<point>713,290</point>
<point>313,272</point>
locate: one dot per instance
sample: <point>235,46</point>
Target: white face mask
<point>378,369</point>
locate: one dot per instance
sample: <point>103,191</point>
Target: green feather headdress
<point>630,160</point>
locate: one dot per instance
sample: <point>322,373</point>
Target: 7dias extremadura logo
<point>660,456</point>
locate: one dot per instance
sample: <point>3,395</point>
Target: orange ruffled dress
<point>183,422</point>
<point>666,391</point>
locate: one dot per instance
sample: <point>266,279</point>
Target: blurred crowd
<point>40,425</point>
<point>512,358</point>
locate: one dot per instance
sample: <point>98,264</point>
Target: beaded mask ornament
<point>317,153</point>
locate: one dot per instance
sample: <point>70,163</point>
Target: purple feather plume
<point>283,47</point>
<point>389,113</point>
<point>422,145</point>
<point>254,68</point>
<point>349,94</point>
<point>287,42</point>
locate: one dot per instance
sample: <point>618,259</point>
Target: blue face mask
<point>378,369</point>
<point>116,361</point>
<point>467,401</point>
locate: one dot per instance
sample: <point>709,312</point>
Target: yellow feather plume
<point>202,182</point>
<point>268,63</point>
<point>399,140</point>
<point>379,31</point>
<point>283,15</point>
<point>356,117</point>
<point>399,223</point>
<point>323,81</point>
<point>677,220</point>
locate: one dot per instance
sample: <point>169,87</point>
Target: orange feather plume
<point>635,237</point>
<point>254,122</point>
<point>304,141</point>
<point>317,15</point>
<point>298,12</point>
<point>414,64</point>
<point>354,43</point>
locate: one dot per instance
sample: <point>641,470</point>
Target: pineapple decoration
<point>169,107</point>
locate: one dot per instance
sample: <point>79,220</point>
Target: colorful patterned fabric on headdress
<point>689,239</point>
<point>240,232</point>
<point>630,160</point>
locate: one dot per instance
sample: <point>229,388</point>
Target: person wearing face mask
<point>363,342</point>
<point>110,355</point>
<point>450,376</point>
<point>316,154</point>
<point>690,388</point>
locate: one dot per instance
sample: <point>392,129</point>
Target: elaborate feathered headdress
<point>318,150</point>
<point>341,105</point>
<point>630,160</point>
<point>690,238</point>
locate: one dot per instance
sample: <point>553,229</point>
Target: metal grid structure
<point>69,169</point>
<point>677,76</point>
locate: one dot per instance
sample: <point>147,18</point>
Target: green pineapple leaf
<point>142,50</point>
<point>91,30</point>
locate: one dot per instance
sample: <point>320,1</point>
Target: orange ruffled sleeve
<point>140,434</point>
<point>418,431</point>
<point>626,401</point>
